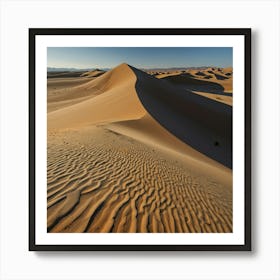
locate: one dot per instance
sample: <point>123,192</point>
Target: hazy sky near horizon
<point>140,57</point>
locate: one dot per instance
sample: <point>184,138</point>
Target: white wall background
<point>17,262</point>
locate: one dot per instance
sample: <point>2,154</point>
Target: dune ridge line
<point>116,165</point>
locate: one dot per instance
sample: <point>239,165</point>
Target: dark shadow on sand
<point>188,82</point>
<point>220,77</point>
<point>204,124</point>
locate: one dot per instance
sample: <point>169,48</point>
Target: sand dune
<point>65,74</point>
<point>114,164</point>
<point>209,80</point>
<point>217,97</point>
<point>148,131</point>
<point>200,122</point>
<point>209,123</point>
<point>92,74</point>
<point>222,76</point>
<point>117,102</point>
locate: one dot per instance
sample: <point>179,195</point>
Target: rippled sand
<point>100,181</point>
<point>112,168</point>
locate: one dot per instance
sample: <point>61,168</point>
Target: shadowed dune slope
<point>114,164</point>
<point>209,80</point>
<point>204,124</point>
<point>200,122</point>
<point>190,83</point>
<point>149,132</point>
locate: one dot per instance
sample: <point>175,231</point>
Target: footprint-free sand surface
<point>115,165</point>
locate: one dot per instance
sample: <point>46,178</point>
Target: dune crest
<point>117,101</point>
<point>130,93</point>
<point>198,121</point>
<point>116,165</point>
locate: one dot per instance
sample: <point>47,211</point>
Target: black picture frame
<point>246,32</point>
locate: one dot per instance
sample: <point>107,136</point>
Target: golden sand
<point>113,168</point>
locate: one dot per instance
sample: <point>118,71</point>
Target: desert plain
<point>139,151</point>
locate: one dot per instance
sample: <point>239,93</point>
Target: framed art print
<point>140,139</point>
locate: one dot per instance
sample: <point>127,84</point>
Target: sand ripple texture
<point>102,181</point>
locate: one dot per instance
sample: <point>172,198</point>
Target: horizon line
<point>146,68</point>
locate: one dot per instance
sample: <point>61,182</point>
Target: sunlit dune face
<point>130,151</point>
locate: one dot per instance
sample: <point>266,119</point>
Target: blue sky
<point>144,57</point>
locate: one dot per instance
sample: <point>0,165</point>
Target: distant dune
<point>211,80</point>
<point>200,122</point>
<point>65,74</point>
<point>94,73</point>
<point>209,123</point>
<point>128,152</point>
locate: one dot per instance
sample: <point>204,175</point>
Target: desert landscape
<point>134,150</point>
